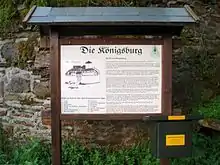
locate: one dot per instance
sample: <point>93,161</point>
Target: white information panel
<point>111,79</point>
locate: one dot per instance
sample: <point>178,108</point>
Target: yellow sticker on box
<point>176,117</point>
<point>175,140</point>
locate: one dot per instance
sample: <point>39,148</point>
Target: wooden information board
<point>109,78</point>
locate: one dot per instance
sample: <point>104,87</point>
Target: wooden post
<point>55,96</point>
<point>167,82</point>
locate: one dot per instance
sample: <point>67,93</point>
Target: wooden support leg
<point>55,97</point>
<point>166,82</point>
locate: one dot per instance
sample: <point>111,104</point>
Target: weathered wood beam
<point>45,42</point>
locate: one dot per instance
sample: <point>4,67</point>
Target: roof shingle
<point>109,15</point>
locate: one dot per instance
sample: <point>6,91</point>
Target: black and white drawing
<point>84,74</point>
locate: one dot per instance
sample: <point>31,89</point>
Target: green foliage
<point>9,16</point>
<point>75,154</point>
<point>5,20</point>
<point>25,53</point>
<point>35,152</point>
<point>5,145</point>
<point>205,152</point>
<point>2,158</point>
<point>210,109</point>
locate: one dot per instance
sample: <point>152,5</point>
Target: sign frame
<point>166,75</point>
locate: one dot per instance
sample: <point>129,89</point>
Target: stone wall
<point>25,93</point>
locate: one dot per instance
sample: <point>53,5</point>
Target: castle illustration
<point>84,74</point>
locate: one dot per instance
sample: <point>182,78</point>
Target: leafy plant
<point>209,109</point>
<point>5,145</point>
<point>5,20</point>
<point>9,16</point>
<point>25,53</point>
<point>205,151</point>
<point>35,152</point>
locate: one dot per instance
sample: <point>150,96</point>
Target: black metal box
<point>171,137</point>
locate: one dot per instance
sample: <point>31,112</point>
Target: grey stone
<point>33,108</point>
<point>18,40</point>
<point>2,73</point>
<point>21,131</point>
<point>12,97</point>
<point>2,43</point>
<point>42,59</point>
<point>17,80</point>
<point>13,104</point>
<point>8,50</point>
<point>3,111</point>
<point>23,121</point>
<point>18,85</point>
<point>41,89</point>
<point>24,96</point>
<point>41,134</point>
<point>47,105</point>
<point>1,100</point>
<point>30,96</point>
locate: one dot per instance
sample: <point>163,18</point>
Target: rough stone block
<point>3,111</point>
<point>1,100</point>
<point>23,123</point>
<point>18,40</point>
<point>18,85</point>
<point>41,89</point>
<point>47,103</point>
<point>8,50</point>
<point>11,97</point>
<point>42,59</point>
<point>21,115</point>
<point>17,81</point>
<point>13,104</point>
